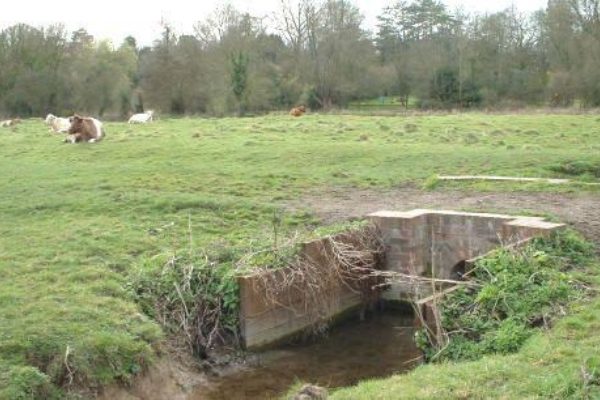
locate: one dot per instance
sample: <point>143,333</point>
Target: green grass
<point>76,220</point>
<point>518,292</point>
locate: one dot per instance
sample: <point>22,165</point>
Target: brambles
<point>193,296</point>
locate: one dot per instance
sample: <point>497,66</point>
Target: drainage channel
<point>420,247</point>
<point>417,244</point>
<point>355,350</point>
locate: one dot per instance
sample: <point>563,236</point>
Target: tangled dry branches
<point>316,280</point>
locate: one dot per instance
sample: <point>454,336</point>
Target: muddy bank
<point>582,211</point>
<point>353,351</point>
<point>167,379</point>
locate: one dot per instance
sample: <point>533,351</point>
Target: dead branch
<point>345,261</point>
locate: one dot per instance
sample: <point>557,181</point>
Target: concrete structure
<point>423,243</point>
<point>437,243</point>
<point>263,323</point>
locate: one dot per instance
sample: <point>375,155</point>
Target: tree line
<point>313,52</point>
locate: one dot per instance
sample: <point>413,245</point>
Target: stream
<point>356,350</point>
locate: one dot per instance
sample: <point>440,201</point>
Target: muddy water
<point>377,347</point>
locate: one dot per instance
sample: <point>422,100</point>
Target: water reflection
<point>377,347</point>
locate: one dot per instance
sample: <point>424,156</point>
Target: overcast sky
<point>115,19</point>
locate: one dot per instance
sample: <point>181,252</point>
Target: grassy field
<point>75,219</point>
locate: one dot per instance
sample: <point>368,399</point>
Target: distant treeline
<point>314,52</point>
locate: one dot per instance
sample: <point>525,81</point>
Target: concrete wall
<point>263,323</point>
<point>431,243</point>
<point>425,241</point>
<point>418,242</point>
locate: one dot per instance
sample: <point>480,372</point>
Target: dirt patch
<point>581,211</point>
<point>167,379</point>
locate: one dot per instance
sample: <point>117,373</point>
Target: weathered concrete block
<point>264,321</point>
<point>418,242</point>
<point>441,239</point>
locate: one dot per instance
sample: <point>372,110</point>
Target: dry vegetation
<point>306,287</point>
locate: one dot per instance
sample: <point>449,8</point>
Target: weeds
<point>25,383</point>
<point>578,168</point>
<point>342,261</point>
<point>431,183</point>
<point>192,295</point>
<point>520,290</point>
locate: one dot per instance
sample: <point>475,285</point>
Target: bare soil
<point>580,211</point>
<point>168,379</point>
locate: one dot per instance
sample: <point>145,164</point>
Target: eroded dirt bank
<point>379,346</point>
<point>168,379</point>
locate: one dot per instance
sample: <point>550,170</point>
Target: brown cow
<point>84,129</point>
<point>298,111</point>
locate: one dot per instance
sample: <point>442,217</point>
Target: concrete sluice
<point>419,244</point>
<point>426,252</point>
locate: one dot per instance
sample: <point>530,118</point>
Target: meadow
<point>75,220</point>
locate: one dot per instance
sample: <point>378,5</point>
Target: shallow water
<point>377,347</point>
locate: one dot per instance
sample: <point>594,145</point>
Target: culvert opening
<point>458,271</point>
<point>401,258</point>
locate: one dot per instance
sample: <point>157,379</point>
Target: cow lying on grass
<point>84,129</point>
<point>298,111</point>
<point>57,124</point>
<point>9,122</point>
<point>142,118</point>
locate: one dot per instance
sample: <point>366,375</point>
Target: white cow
<point>143,118</point>
<point>57,124</point>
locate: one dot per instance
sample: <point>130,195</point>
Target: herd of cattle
<point>89,130</point>
<point>80,129</point>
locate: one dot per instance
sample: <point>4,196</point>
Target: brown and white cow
<point>84,129</point>
<point>298,111</point>
<point>10,122</point>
